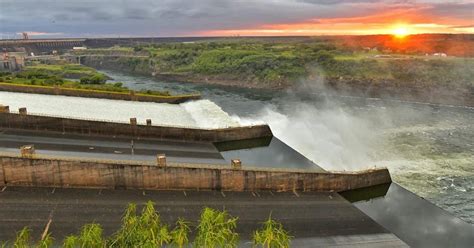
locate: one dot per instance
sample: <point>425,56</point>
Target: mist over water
<point>428,149</point>
<point>332,138</point>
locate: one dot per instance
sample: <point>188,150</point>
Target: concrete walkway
<point>314,219</point>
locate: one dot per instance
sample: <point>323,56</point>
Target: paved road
<point>110,147</point>
<point>312,218</point>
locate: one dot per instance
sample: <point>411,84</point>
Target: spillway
<point>195,114</point>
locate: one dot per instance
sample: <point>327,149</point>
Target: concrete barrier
<point>42,171</point>
<point>88,127</point>
<point>47,90</point>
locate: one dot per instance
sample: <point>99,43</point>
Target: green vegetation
<point>272,235</point>
<point>145,230</point>
<point>90,236</point>
<point>53,76</point>
<point>23,240</point>
<point>214,229</point>
<point>95,79</point>
<point>285,62</point>
<point>179,235</point>
<point>63,71</point>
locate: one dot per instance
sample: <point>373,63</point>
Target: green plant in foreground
<point>90,237</point>
<point>71,242</point>
<point>23,238</point>
<point>46,241</point>
<point>216,229</point>
<point>271,235</point>
<point>179,235</point>
<point>143,230</point>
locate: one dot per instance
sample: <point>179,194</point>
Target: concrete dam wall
<point>41,45</point>
<point>103,128</point>
<point>37,171</point>
<point>129,96</point>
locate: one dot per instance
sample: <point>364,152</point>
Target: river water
<point>428,149</point>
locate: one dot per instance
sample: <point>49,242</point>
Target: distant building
<point>12,61</point>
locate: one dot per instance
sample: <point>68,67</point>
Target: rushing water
<point>201,114</point>
<point>429,149</point>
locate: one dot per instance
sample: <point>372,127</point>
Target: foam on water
<point>207,114</point>
<point>197,114</point>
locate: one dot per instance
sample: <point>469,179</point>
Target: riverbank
<point>53,80</point>
<point>102,94</point>
<point>418,81</point>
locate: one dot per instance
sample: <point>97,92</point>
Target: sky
<point>164,18</point>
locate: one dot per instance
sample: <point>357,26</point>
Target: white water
<point>196,114</point>
<point>332,138</point>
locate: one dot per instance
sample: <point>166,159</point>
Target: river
<point>429,149</point>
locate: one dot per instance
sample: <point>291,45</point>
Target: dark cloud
<point>186,17</point>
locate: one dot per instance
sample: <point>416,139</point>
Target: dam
<point>79,175</point>
<point>187,114</point>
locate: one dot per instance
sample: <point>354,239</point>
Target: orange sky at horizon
<point>395,21</point>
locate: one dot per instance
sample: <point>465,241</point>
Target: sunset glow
<point>397,22</point>
<point>401,32</point>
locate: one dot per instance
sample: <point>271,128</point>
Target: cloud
<point>188,17</point>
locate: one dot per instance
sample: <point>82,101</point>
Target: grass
<point>271,235</point>
<point>65,71</point>
<point>215,228</point>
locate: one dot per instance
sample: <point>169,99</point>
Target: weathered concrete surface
<point>76,126</point>
<point>46,171</point>
<point>315,219</point>
<point>110,147</point>
<point>47,90</point>
<point>2,177</point>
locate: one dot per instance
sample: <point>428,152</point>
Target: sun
<point>400,32</point>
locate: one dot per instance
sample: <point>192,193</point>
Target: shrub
<point>216,229</point>
<point>90,236</point>
<point>95,79</point>
<point>143,230</point>
<point>52,80</point>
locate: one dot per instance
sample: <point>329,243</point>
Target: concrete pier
<point>52,171</point>
<point>103,128</point>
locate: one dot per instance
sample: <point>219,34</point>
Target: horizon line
<point>229,36</point>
